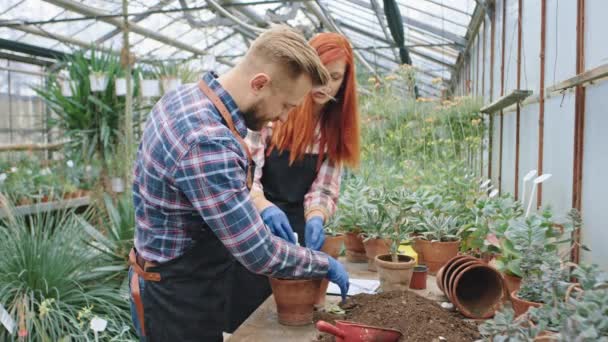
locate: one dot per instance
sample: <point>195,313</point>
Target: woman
<point>299,164</point>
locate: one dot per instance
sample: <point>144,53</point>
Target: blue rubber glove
<point>278,223</point>
<point>314,236</point>
<point>337,274</point>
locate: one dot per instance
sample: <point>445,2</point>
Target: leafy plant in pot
<point>395,270</point>
<point>439,240</point>
<point>376,222</point>
<point>352,206</point>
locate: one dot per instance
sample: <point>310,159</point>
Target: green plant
<point>439,227</point>
<point>167,70</point>
<point>504,327</point>
<point>353,203</point>
<point>115,244</point>
<point>46,283</point>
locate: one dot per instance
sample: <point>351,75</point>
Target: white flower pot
<point>66,88</point>
<point>99,82</point>
<point>150,88</point>
<point>118,185</point>
<point>171,84</point>
<point>121,86</point>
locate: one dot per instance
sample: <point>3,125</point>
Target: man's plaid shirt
<point>190,175</point>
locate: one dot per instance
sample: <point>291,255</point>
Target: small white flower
<point>14,169</point>
<point>98,324</point>
<point>3,177</point>
<point>46,171</point>
<point>70,163</point>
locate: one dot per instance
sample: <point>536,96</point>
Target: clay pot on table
<point>436,253</point>
<point>394,275</point>
<point>445,272</point>
<point>418,281</point>
<point>512,282</point>
<point>295,300</point>
<point>332,246</point>
<point>520,306</point>
<point>373,248</point>
<point>355,251</point>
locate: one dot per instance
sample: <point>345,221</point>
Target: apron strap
<point>217,102</point>
<point>139,305</point>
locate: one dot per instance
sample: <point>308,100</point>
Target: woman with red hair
<point>299,164</point>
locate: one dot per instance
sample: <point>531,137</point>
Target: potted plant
<point>376,222</point>
<point>101,67</point>
<point>353,203</point>
<point>334,240</point>
<point>169,75</point>
<point>395,270</point>
<point>150,87</point>
<point>439,239</point>
<point>120,83</point>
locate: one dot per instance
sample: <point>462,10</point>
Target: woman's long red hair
<point>339,119</point>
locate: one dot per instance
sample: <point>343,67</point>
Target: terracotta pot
<point>436,253</point>
<point>546,336</point>
<point>419,276</point>
<point>295,300</point>
<point>449,283</point>
<point>512,282</point>
<point>373,248</point>
<point>394,275</point>
<point>355,251</point>
<point>332,246</point>
<point>449,267</point>
<point>520,306</point>
<point>477,290</point>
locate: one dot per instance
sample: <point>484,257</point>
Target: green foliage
<point>353,203</point>
<point>46,282</point>
<point>504,328</point>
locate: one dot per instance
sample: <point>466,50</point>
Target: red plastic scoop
<point>345,331</point>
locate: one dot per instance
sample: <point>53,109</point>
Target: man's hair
<point>288,49</point>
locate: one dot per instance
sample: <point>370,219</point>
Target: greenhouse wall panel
<point>558,152</point>
<point>497,49</point>
<point>560,52</point>
<point>596,49</point>
<point>528,146</point>
<point>530,71</point>
<point>495,149</point>
<point>511,46</point>
<point>595,184</point>
<point>508,153</point>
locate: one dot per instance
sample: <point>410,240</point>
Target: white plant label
<point>6,320</point>
<point>98,324</point>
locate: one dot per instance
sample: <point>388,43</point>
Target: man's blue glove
<point>314,236</point>
<point>278,223</point>
<point>337,274</point>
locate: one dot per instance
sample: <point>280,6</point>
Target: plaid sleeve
<point>324,191</point>
<point>257,142</point>
<point>212,177</point>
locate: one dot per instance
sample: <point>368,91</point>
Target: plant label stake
<point>537,181</point>
<point>528,177</point>
<point>6,320</point>
<point>98,325</point>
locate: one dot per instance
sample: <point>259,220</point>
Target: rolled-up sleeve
<point>211,174</point>
<point>322,197</point>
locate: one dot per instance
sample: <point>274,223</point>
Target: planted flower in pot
<point>439,240</point>
<point>169,73</point>
<point>353,203</point>
<point>377,221</point>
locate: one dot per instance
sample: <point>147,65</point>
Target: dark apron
<point>285,186</point>
<point>185,299</point>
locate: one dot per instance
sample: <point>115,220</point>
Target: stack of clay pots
<point>475,288</point>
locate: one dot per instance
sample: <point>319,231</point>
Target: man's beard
<point>253,121</point>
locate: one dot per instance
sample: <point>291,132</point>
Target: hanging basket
<point>99,81</point>
<point>118,185</point>
<point>121,86</point>
<point>150,88</point>
<point>170,83</point>
<point>67,87</point>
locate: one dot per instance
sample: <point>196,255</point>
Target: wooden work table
<point>263,325</point>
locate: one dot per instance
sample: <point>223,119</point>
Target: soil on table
<point>418,318</point>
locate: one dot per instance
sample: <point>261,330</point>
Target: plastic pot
<point>520,306</point>
<point>373,248</point>
<point>118,185</point>
<point>332,246</point>
<point>120,85</point>
<point>66,88</point>
<point>295,300</point>
<point>436,253</point>
<point>418,281</point>
<point>98,81</point>
<point>150,88</point>
<point>170,83</point>
<point>355,250</point>
<point>477,291</point>
<point>394,275</point>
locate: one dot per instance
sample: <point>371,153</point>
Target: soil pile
<point>418,318</point>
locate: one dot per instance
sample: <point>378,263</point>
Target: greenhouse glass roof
<point>436,31</point>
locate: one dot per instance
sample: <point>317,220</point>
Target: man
<point>195,219</point>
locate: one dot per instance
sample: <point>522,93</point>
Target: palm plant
<point>46,283</point>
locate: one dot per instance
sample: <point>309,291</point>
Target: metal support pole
<point>128,129</point>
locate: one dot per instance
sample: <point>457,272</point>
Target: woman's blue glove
<point>314,236</point>
<point>337,274</point>
<point>278,223</point>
